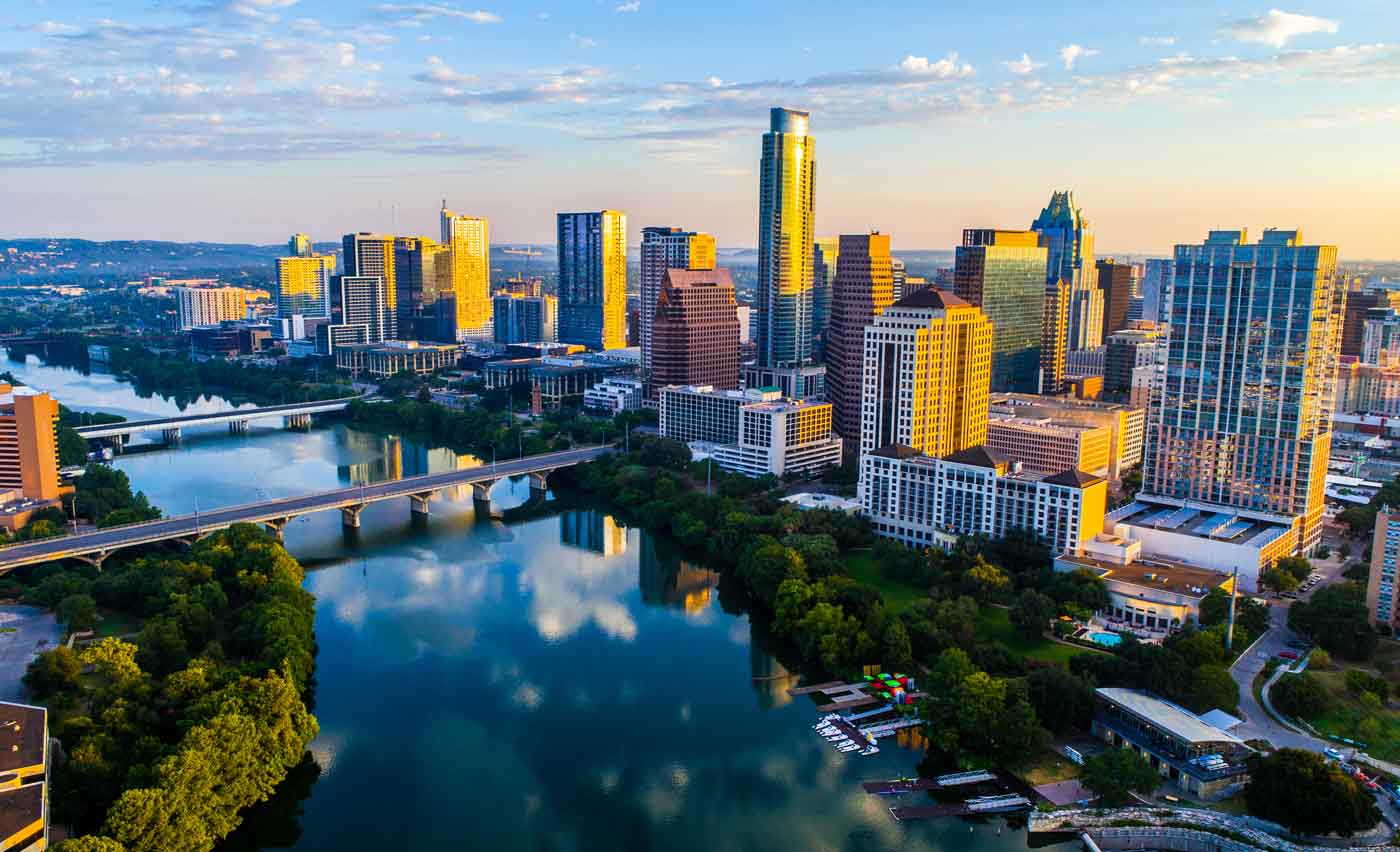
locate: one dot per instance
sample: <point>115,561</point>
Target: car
<point>1288,655</point>
<point>1332,753</point>
<point>1293,595</point>
<point>1298,644</point>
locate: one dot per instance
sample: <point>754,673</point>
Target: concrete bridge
<point>296,415</point>
<point>95,547</point>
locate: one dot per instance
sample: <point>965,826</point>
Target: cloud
<point>943,68</point>
<point>1072,53</point>
<point>582,40</point>
<point>1024,65</point>
<point>1157,41</point>
<point>417,14</point>
<point>438,71</point>
<point>633,6</point>
<point>1276,28</point>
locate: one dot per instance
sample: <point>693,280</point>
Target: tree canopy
<point>1307,794</point>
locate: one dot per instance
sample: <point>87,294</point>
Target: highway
<point>131,427</point>
<point>100,543</point>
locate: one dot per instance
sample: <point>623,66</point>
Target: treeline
<point>72,447</point>
<point>177,376</point>
<point>170,736</point>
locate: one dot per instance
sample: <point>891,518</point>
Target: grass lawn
<point>117,625</point>
<point>1382,738</point>
<point>860,564</point>
<point>995,625</point>
<point>1047,767</point>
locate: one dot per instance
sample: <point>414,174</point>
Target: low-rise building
<point>925,501</point>
<point>1152,593</point>
<point>383,360</point>
<point>614,395</point>
<point>807,382</point>
<point>24,762</point>
<point>1192,754</point>
<point>558,379</point>
<point>1380,590</point>
<point>752,432</point>
<point>1042,445</point>
<point>807,501</point>
<point>1124,423</point>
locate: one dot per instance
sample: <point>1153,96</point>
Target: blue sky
<point>249,119</point>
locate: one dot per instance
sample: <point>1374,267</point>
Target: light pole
<point>196,515</point>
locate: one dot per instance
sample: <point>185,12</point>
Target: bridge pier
<point>539,481</point>
<point>238,427</point>
<point>94,559</point>
<point>277,526</point>
<point>297,422</point>
<point>171,436</point>
<point>481,491</point>
<point>418,503</point>
<point>350,516</point>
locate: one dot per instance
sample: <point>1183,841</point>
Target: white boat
<point>847,748</point>
<point>838,738</point>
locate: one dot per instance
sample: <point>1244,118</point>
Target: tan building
<point>303,285</point>
<point>1380,591</point>
<point>28,443</point>
<point>1123,422</point>
<point>468,242</point>
<point>383,360</point>
<point>1368,388</point>
<point>927,371</point>
<point>197,306</point>
<point>1044,446</point>
<point>1054,343</point>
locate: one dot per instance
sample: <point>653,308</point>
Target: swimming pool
<point>1108,640</point>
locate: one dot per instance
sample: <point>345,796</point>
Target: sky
<point>247,120</point>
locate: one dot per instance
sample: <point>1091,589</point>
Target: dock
<point>820,687</point>
<point>972,807</point>
<point>957,779</point>
<point>895,788</point>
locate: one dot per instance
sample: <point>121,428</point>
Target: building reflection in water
<point>390,457</point>
<point>771,679</point>
<point>673,583</point>
<point>590,530</point>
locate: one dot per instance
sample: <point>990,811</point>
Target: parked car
<point>1288,655</point>
<point>1332,753</point>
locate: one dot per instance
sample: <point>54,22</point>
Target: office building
<point>695,331</point>
<point>1125,352</point>
<point>1193,755</point>
<point>423,268</point>
<point>196,306</point>
<point>1380,338</point>
<point>745,313</point>
<point>468,243</point>
<point>558,379</point>
<point>593,279</point>
<point>519,285</point>
<point>359,313</point>
<point>666,248</point>
<point>786,214</point>
<point>1118,281</point>
<point>1225,436</point>
<point>367,255</point>
<point>303,284</point>
<point>753,432</point>
<point>1044,446</point>
<point>804,382</point>
<point>614,395</point>
<point>1359,304</point>
<point>1003,273</point>
<point>382,360</point>
<point>1156,288</point>
<point>1367,389</point>
<point>24,770</point>
<point>1124,423</point>
<point>925,501</point>
<point>299,246</point>
<point>1070,257</point>
<point>525,319</point>
<point>899,274</point>
<point>28,443</point>
<point>825,251</point>
<point>927,367</point>
<point>1054,339</point>
<point>1380,590</point>
<point>864,289</point>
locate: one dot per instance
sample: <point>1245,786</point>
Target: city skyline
<point>281,95</point>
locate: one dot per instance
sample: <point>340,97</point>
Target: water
<point>1108,640</point>
<point>561,683</point>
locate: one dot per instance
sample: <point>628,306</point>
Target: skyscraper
<point>1242,417</point>
<point>695,330</point>
<point>468,241</point>
<point>1070,246</point>
<point>1003,273</point>
<point>525,319</point>
<point>1054,338</point>
<point>593,279</point>
<point>864,289</point>
<point>424,269</point>
<point>299,245</point>
<point>28,442</point>
<point>359,312</point>
<point>303,283</point>
<point>1117,281</point>
<point>209,305</point>
<point>1156,285</point>
<point>786,213</point>
<point>1359,305</point>
<point>666,248</point>
<point>928,362</point>
<point>824,255</point>
<point>372,256</point>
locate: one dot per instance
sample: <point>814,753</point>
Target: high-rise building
<point>424,270</point>
<point>1118,281</point>
<point>1156,287</point>
<point>299,245</point>
<point>367,255</point>
<point>666,248</point>
<point>209,305</point>
<point>1070,257</point>
<point>754,432</point>
<point>1126,351</point>
<point>1360,303</point>
<point>519,285</point>
<point>899,273</point>
<point>1380,337</point>
<point>1242,419</point>
<point>1380,590</point>
<point>786,215</point>
<point>1003,273</point>
<point>525,319</point>
<point>695,331</point>
<point>864,289</point>
<point>303,283</point>
<point>28,442</point>
<point>468,241</point>
<point>359,313</point>
<point>928,361</point>
<point>1054,339</point>
<point>593,279</point>
<point>824,257</point>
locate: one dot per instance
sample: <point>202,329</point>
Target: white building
<point>614,396</point>
<point>210,305</point>
<point>753,432</point>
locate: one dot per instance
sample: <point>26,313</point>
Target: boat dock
<point>895,788</point>
<point>818,687</point>
<point>957,779</point>
<point>980,805</point>
<point>886,729</point>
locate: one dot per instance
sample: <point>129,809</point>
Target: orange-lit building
<point>28,443</point>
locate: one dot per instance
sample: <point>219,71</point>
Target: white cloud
<point>1157,41</point>
<point>1024,65</point>
<point>416,14</point>
<point>943,68</point>
<point>1276,27</point>
<point>633,6</point>
<point>1072,53</point>
<point>582,40</point>
<point>440,72</point>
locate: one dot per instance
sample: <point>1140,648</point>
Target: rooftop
<point>930,298</point>
<point>20,808</point>
<point>1174,720</point>
<point>1153,572</point>
<point>23,736</point>
<point>1200,520</point>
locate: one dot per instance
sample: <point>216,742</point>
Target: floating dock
<point>957,779</point>
<point>896,788</point>
<point>980,805</point>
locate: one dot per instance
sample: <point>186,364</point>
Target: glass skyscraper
<point>1003,273</point>
<point>593,279</point>
<point>666,248</point>
<point>468,241</point>
<point>786,205</point>
<point>1070,245</point>
<point>824,253</point>
<point>1242,416</point>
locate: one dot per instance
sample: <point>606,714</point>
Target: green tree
<point>976,719</point>
<point>1279,580</point>
<point>89,843</point>
<point>793,602</point>
<point>1301,695</point>
<point>1063,702</point>
<point>114,659</point>
<point>1031,612</point>
<point>1336,619</point>
<point>1212,687</point>
<point>53,672</point>
<point>1118,773</point>
<point>897,653</point>
<point>767,566</point>
<point>1307,794</point>
<point>1298,566</point>
<point>77,613</point>
<point>987,582</point>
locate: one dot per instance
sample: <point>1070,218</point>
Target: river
<point>562,683</point>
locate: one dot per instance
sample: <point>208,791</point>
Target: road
<point>184,526</point>
<point>129,427</point>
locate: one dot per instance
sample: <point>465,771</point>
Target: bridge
<point>296,415</point>
<point>95,547</point>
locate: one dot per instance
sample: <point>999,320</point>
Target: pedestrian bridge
<point>94,547</point>
<point>295,415</point>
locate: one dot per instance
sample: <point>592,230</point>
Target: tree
<point>53,672</point>
<point>1118,773</point>
<point>1212,687</point>
<point>1320,659</point>
<point>1361,682</point>
<point>769,565</point>
<point>90,843</point>
<point>1063,701</point>
<point>897,653</point>
<point>77,613</point>
<point>1279,580</point>
<point>976,719</point>
<point>1031,613</point>
<point>1336,619</point>
<point>115,659</point>
<point>1307,794</point>
<point>1297,566</point>
<point>1301,695</point>
<point>987,582</point>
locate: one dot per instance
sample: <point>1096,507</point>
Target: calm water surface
<point>560,683</point>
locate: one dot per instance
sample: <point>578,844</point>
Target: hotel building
<point>28,443</point>
<point>303,283</point>
<point>1124,423</point>
<point>196,306</point>
<point>751,432</point>
<point>1046,447</point>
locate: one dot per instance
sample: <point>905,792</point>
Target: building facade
<point>593,279</point>
<point>1046,447</point>
<point>1003,273</point>
<point>299,245</point>
<point>1360,302</point>
<point>1380,337</point>
<point>197,306</point>
<point>28,443</point>
<point>423,269</point>
<point>1380,590</point>
<point>360,301</point>
<point>786,215</point>
<point>467,240</point>
<point>612,396</point>
<point>825,253</point>
<point>753,432</point>
<point>864,288</point>
<point>1125,423</point>
<point>382,360</point>
<point>927,366</point>
<point>1156,288</point>
<point>367,255</point>
<point>303,285</point>
<point>695,330</point>
<point>525,319</point>
<point>666,248</point>
<point>1069,243</point>
<point>1054,339</point>
<point>1119,282</point>
<point>1125,351</point>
